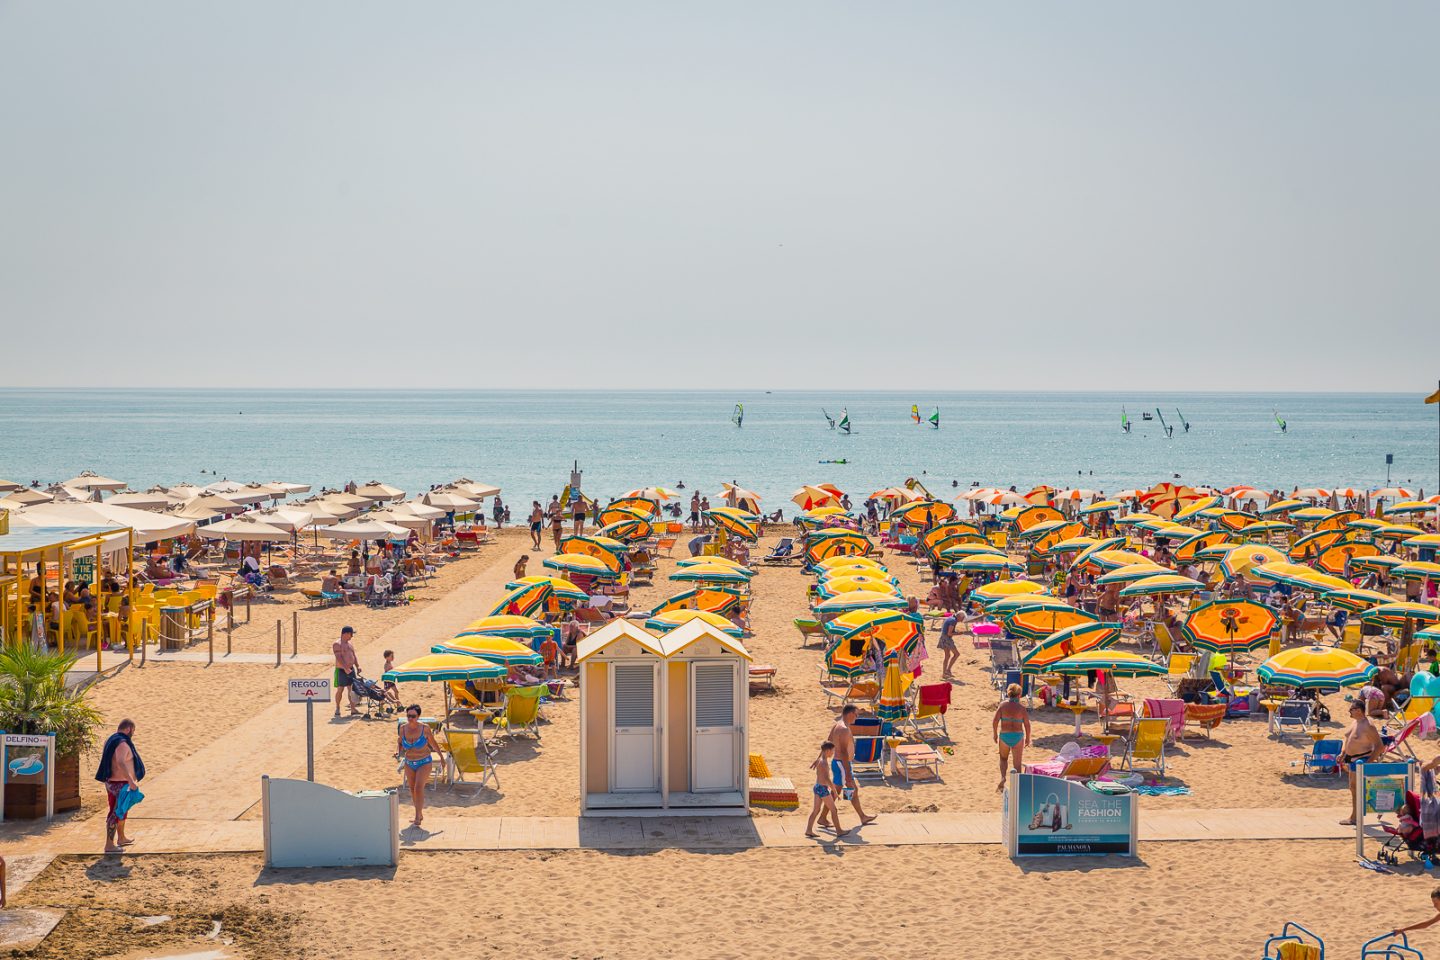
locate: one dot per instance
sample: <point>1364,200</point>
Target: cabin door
<point>715,740</point>
<point>635,737</point>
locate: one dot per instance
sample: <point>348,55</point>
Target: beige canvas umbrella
<point>363,528</point>
<point>338,509</point>
<point>399,518</point>
<point>417,509</point>
<point>289,488</point>
<point>148,526</point>
<point>7,485</point>
<point>212,501</point>
<point>472,489</point>
<point>269,490</point>
<point>290,518</point>
<point>27,497</point>
<point>449,502</point>
<point>237,492</point>
<point>246,528</point>
<point>93,481</point>
<point>375,490</point>
<point>140,501</point>
<point>352,500</point>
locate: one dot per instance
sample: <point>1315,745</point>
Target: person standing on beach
<point>557,528</point>
<point>844,742</point>
<point>824,790</point>
<point>578,512</point>
<point>537,520</point>
<point>345,663</point>
<point>704,509</point>
<point>947,644</point>
<point>120,764</point>
<point>497,510</point>
<point>695,511</point>
<point>1362,742</point>
<point>416,743</point>
<point>520,565</point>
<point>1011,731</point>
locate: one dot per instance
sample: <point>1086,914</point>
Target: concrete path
<point>222,780</point>
<point>700,833</point>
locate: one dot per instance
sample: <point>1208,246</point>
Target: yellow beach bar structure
<point>57,554</point>
<point>663,722</point>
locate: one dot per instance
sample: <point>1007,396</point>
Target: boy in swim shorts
<point>824,791</point>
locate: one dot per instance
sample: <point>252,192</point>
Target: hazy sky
<point>1165,195</point>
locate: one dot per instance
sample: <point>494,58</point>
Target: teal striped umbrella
<point>986,563</point>
<point>1115,662</point>
<point>629,530</point>
<point>445,666</point>
<point>862,600</point>
<point>711,573</point>
<point>1069,642</point>
<point>1160,585</point>
<point>1025,602</point>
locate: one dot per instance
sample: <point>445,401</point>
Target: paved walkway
<point>696,833</point>
<point>222,780</point>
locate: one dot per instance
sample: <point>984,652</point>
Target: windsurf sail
<point>739,415</point>
<point>1183,422</point>
<point>1124,420</point>
<point>845,419</point>
<point>1169,430</point>
<point>1283,425</point>
<point>828,419</point>
<point>935,419</point>
<point>915,412</point>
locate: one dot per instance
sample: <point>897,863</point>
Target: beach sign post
<point>309,692</point>
<point>1379,788</point>
<point>28,758</point>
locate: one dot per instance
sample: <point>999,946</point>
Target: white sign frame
<point>45,740</point>
<point>295,690</point>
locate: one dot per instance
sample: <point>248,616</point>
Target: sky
<point>1213,196</point>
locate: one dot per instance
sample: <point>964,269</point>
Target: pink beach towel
<point>1173,710</point>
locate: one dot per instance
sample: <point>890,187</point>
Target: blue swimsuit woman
<point>417,744</point>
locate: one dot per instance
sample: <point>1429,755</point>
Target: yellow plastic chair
<point>1177,668</point>
<point>469,753</point>
<point>522,711</point>
<point>1145,749</point>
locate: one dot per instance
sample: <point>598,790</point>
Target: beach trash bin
<point>174,627</point>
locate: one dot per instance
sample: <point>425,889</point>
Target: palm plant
<point>34,699</point>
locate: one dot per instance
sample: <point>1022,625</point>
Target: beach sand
<point>1184,900</point>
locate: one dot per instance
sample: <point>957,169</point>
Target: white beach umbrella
<point>7,485</point>
<point>472,489</point>
<point>322,514</point>
<point>140,501</point>
<point>336,508</point>
<point>363,528</point>
<point>93,481</point>
<point>238,492</point>
<point>270,490</point>
<point>449,502</point>
<point>288,518</point>
<point>375,490</point>
<point>289,488</point>
<point>213,501</point>
<point>417,509</point>
<point>400,518</point>
<point>27,497</point>
<point>148,526</point>
<point>354,501</point>
<point>246,528</point>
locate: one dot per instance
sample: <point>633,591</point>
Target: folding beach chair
<point>522,711</point>
<point>1177,668</point>
<point>869,751</point>
<point>1145,749</point>
<point>1324,757</point>
<point>1292,715</point>
<point>469,753</point>
<point>927,715</point>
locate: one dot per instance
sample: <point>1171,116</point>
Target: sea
<point>526,442</point>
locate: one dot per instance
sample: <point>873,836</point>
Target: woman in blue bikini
<point>1011,729</point>
<point>416,744</point>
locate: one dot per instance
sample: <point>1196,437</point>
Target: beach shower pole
<point>210,631</point>
<point>279,638</point>
<point>294,633</point>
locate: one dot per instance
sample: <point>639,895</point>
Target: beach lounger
<point>869,751</point>
<point>927,714</point>
<point>469,753</point>
<point>1145,748</point>
<point>809,628</point>
<point>784,552</point>
<point>1292,715</point>
<point>522,711</point>
<point>1399,748</point>
<point>848,691</point>
<point>915,758</point>
<point>1204,717</point>
<point>1414,707</point>
<point>1095,757</point>
<point>762,674</point>
<point>1118,715</point>
<point>1323,758</point>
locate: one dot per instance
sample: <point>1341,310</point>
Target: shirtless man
<point>844,741</point>
<point>345,663</point>
<point>537,520</point>
<point>1362,742</point>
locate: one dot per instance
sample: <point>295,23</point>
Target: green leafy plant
<point>34,699</point>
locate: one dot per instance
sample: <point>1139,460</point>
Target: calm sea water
<point>524,442</point>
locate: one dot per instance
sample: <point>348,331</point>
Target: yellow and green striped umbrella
<point>896,629</point>
<point>1397,531</point>
<point>711,573</point>
<point>1100,506</point>
<point>1109,543</point>
<point>629,529</point>
<point>1005,606</point>
<point>1417,570</point>
<point>593,545</point>
<point>950,528</point>
<point>526,600</point>
<point>445,666</point>
<point>862,600</point>
<point>1398,614</point>
<point>970,550</point>
<point>1041,622</point>
<point>613,515</point>
<point>1381,563</point>
<point>1161,585</point>
<point>986,563</point>
<point>1316,667</point>
<point>1264,527</point>
<point>831,563</point>
<point>583,564</point>
<point>1242,560</point>
<point>712,599</point>
<point>1040,529</point>
<point>1230,626</point>
<point>502,650</point>
<point>1312,544</point>
<point>1368,524</point>
<point>1070,545</point>
<point>501,625</point>
<point>1410,506</point>
<point>1006,588</point>
<point>1108,560</point>
<point>1424,540</point>
<point>1338,520</point>
<point>1280,507</point>
<point>1185,552</point>
<point>923,513</point>
<point>645,506</point>
<point>1068,642</point>
<point>1356,599</point>
<point>1115,662</point>
<point>735,526</point>
<point>1312,514</point>
<point>1130,573</point>
<point>1130,519</point>
<point>670,619</point>
<point>1190,510</point>
<point>713,561</point>
<point>1334,559</point>
<point>835,587</point>
<point>561,588</point>
<point>838,543</point>
<point>1296,575</point>
<point>891,704</point>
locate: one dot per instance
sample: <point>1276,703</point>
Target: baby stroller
<point>372,694</point>
<point>1407,835</point>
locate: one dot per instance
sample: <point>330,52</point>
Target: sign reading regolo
<point>309,691</point>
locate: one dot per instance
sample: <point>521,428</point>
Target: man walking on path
<point>120,766</point>
<point>345,663</point>
<point>844,741</point>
